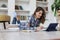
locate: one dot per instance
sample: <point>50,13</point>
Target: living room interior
<point>25,9</point>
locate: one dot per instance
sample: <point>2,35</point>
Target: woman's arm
<point>40,27</point>
<point>30,22</point>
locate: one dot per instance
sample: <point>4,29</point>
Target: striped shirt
<point>34,22</point>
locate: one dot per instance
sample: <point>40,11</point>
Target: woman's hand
<point>28,25</point>
<point>39,28</point>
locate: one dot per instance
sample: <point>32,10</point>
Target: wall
<point>11,8</point>
<point>32,6</point>
<point>50,16</point>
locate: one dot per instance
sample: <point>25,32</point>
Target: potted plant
<point>55,5</point>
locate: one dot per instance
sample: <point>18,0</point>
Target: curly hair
<point>42,18</point>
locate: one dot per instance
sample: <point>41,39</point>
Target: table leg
<point>9,22</point>
<point>4,25</point>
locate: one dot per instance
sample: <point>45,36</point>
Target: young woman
<point>37,18</point>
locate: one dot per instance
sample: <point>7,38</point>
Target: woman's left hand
<point>39,28</point>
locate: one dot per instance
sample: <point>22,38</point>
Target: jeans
<point>15,20</point>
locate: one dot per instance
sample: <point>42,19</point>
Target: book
<point>20,7</point>
<point>16,7</point>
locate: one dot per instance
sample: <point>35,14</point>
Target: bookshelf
<point>43,4</point>
<point>4,9</point>
<point>21,1</point>
<point>3,3</point>
<point>3,6</point>
<point>22,9</point>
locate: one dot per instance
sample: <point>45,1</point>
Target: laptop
<point>52,27</point>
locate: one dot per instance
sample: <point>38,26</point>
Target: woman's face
<point>58,12</point>
<point>38,14</point>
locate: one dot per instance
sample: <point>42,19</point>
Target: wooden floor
<point>16,34</point>
<point>19,35</point>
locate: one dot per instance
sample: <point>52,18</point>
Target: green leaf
<point>55,5</point>
<point>52,7</point>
